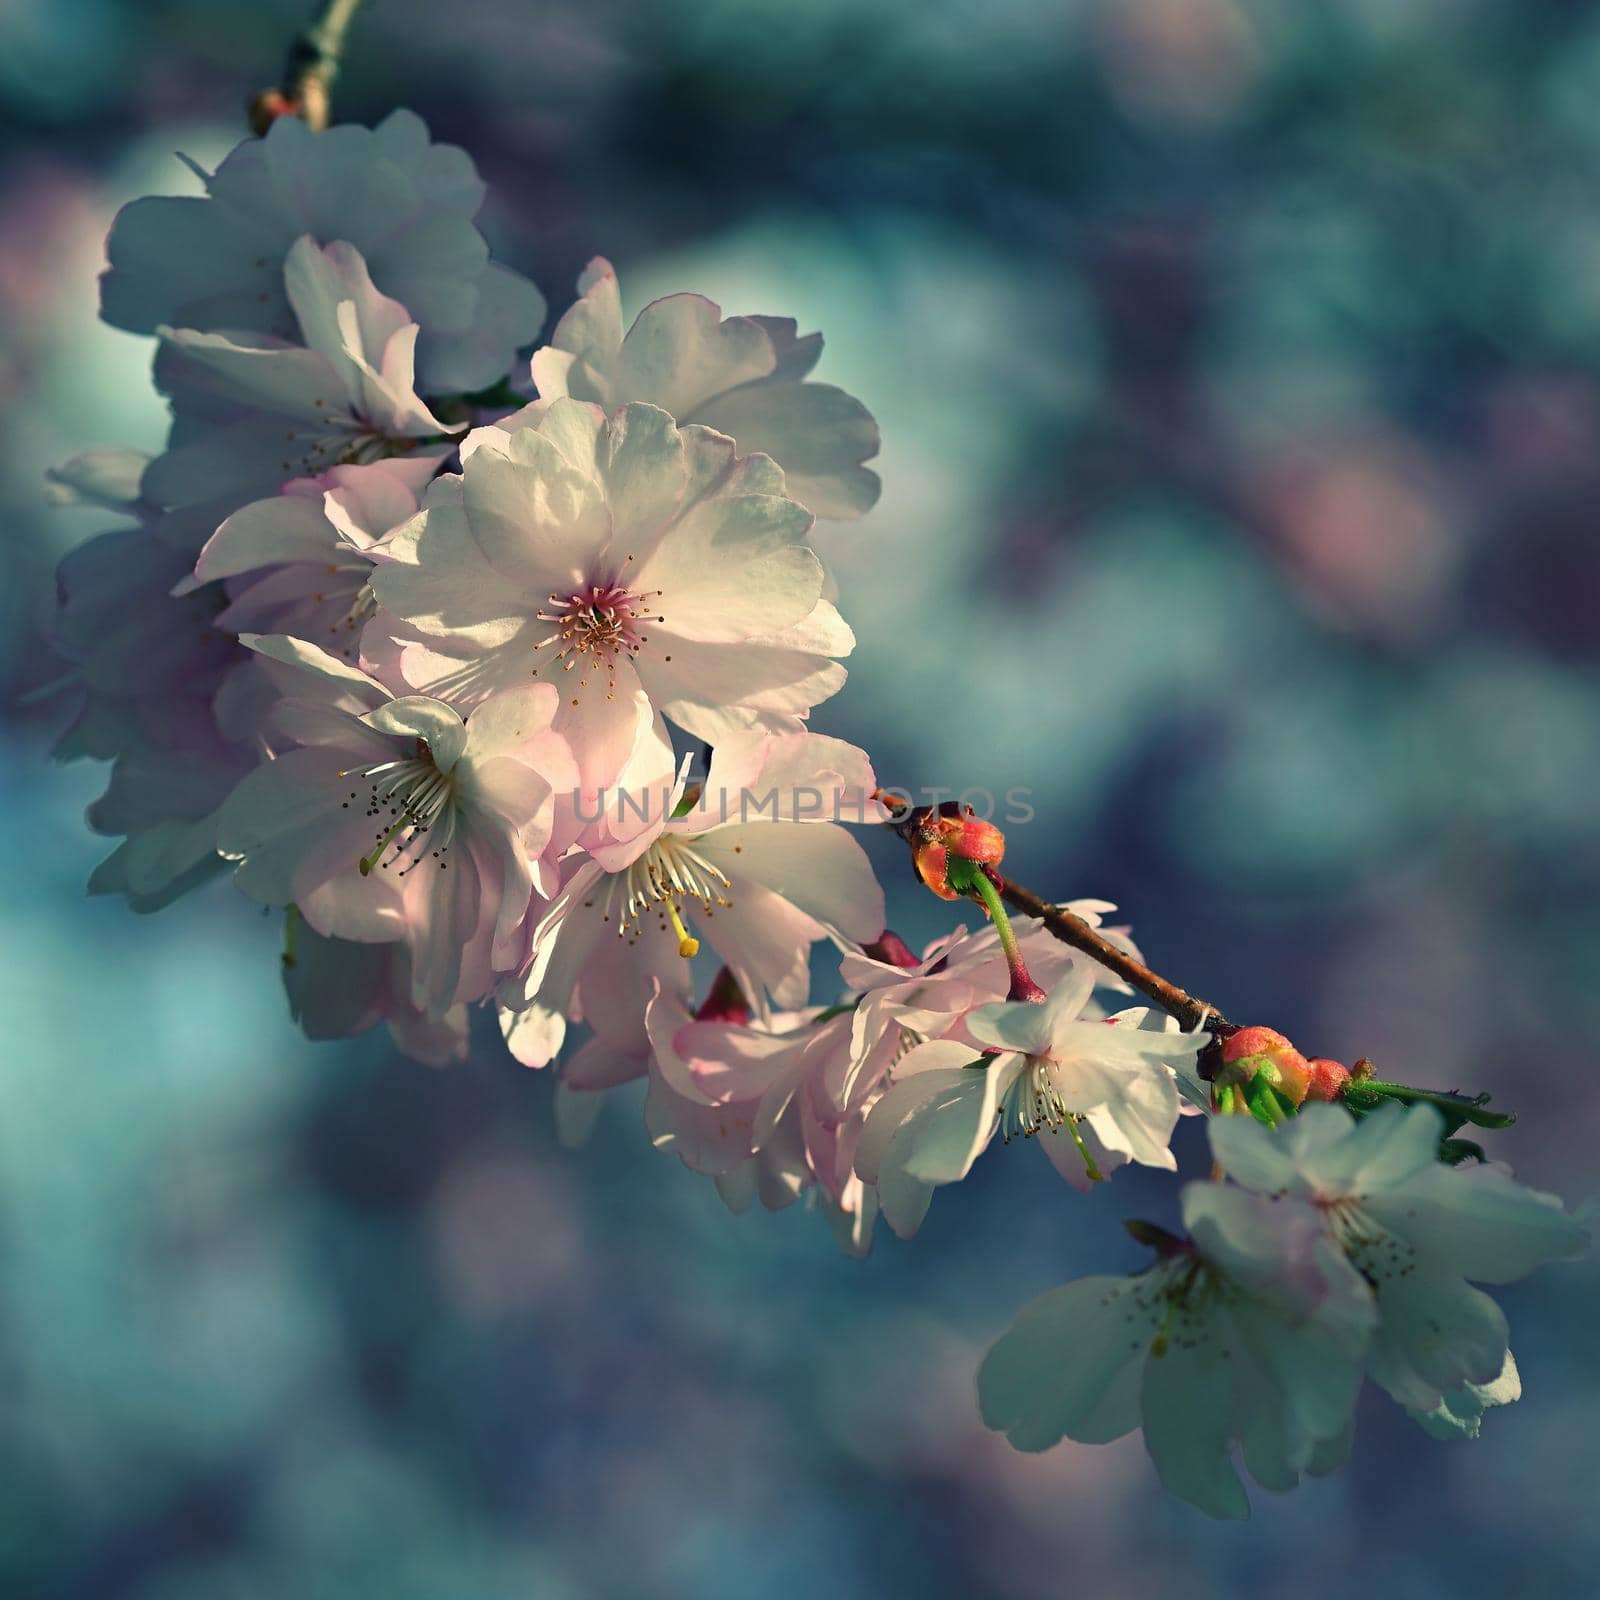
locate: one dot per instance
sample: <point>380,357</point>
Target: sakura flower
<point>1251,1331</point>
<point>251,411</point>
<point>625,559</point>
<point>743,376</point>
<point>1102,1092</point>
<point>754,864</point>
<point>300,562</point>
<point>395,819</point>
<point>959,972</point>
<point>215,262</point>
<point>762,1106</point>
<point>1419,1232</point>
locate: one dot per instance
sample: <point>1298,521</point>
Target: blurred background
<point>1238,363</point>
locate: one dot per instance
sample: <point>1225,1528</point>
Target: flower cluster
<point>424,639</point>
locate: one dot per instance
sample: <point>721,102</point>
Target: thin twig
<point>309,73</point>
<point>1190,1011</point>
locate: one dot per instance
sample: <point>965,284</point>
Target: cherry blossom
<point>1251,1331</point>
<point>215,262</point>
<point>1100,1092</point>
<point>1420,1232</point>
<point>754,864</point>
<point>617,557</point>
<point>743,376</point>
<point>385,818</point>
<point>252,411</point>
<point>769,1107</point>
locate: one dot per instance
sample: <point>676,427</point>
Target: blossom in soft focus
<point>1420,1232</point>
<point>166,697</point>
<point>746,377</point>
<point>251,411</point>
<point>215,262</point>
<point>1249,1332</point>
<point>386,818</point>
<point>338,988</point>
<point>756,864</point>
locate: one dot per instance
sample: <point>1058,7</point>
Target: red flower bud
<point>725,1002</point>
<point>1253,1050</point>
<point>946,833</point>
<point>891,949</point>
<point>1328,1077</point>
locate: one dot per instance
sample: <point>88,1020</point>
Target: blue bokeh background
<point>1238,363</point>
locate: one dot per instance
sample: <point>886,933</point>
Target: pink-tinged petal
<point>441,916</point>
<point>765,941</point>
<point>601,1064</point>
<point>624,790</point>
<point>733,568</point>
<point>679,352</point>
<point>715,1140</point>
<point>419,716</point>
<point>434,1041</point>
<point>641,464</point>
<point>920,1077</point>
<point>941,1139</point>
<point>818,434</point>
<point>364,504</point>
<point>314,660</point>
<point>590,333</point>
<point>440,583</point>
<point>288,528</point>
<point>816,867</point>
<point>723,1062</point>
<point>318,282</point>
<point>540,523</point>
<point>512,721</point>
<point>533,1034</point>
<point>298,843</point>
<point>251,371</point>
<point>576,429</point>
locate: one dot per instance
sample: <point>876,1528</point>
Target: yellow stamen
<point>688,945</point>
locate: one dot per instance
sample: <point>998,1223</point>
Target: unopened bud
<point>1327,1078</point>
<point>725,1002</point>
<point>1253,1051</point>
<point>951,833</point>
<point>891,949</point>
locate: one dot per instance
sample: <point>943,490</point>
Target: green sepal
<point>1267,1105</point>
<point>1366,1095</point>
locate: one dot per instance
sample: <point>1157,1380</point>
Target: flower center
<point>1032,1102</point>
<point>596,625</point>
<point>411,800</point>
<point>1372,1249</point>
<point>669,871</point>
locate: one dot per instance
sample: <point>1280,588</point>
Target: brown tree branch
<point>309,73</point>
